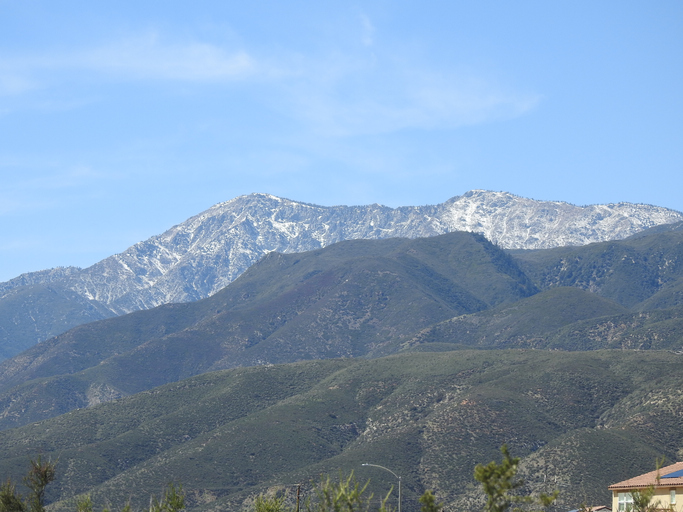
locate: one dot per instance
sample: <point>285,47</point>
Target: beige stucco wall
<point>662,495</point>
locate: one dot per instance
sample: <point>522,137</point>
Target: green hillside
<point>356,298</point>
<point>364,298</point>
<point>628,271</point>
<point>527,323</point>
<point>579,420</point>
<point>362,352</point>
<point>646,330</point>
<point>668,296</point>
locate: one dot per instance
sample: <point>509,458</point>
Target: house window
<point>672,496</point>
<point>625,501</point>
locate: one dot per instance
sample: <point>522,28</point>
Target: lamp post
<point>390,471</point>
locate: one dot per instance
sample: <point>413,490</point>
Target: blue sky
<point>119,119</point>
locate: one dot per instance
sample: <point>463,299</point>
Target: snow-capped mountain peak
<point>200,256</point>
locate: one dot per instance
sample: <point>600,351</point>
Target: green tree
<point>499,482</point>
<point>173,500</point>
<point>344,496</point>
<point>42,473</point>
<point>10,501</point>
<point>84,504</point>
<point>429,503</point>
<point>642,500</point>
<point>270,504</point>
<point>39,476</point>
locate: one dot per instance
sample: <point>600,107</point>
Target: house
<point>668,485</point>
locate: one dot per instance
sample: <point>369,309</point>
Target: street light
<point>390,471</point>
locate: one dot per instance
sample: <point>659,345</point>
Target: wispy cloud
<point>368,30</point>
<point>31,190</point>
<point>12,83</point>
<point>141,57</point>
<point>150,57</point>
<point>382,95</point>
<point>354,92</point>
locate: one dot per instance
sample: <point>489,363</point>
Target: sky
<point>120,119</point>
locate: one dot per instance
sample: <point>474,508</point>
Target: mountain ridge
<point>362,298</point>
<point>202,255</point>
<point>432,409</point>
<point>477,211</point>
<point>357,298</point>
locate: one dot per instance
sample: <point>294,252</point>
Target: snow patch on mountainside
<point>208,251</point>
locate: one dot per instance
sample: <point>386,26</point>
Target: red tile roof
<point>650,478</point>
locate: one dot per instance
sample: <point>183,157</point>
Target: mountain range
<point>199,257</point>
<point>422,354</point>
<point>366,298</point>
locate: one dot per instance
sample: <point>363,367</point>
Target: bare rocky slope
<point>200,256</point>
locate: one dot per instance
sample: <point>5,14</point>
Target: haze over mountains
<point>205,253</point>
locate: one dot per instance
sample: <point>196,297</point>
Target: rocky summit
<point>202,255</point>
